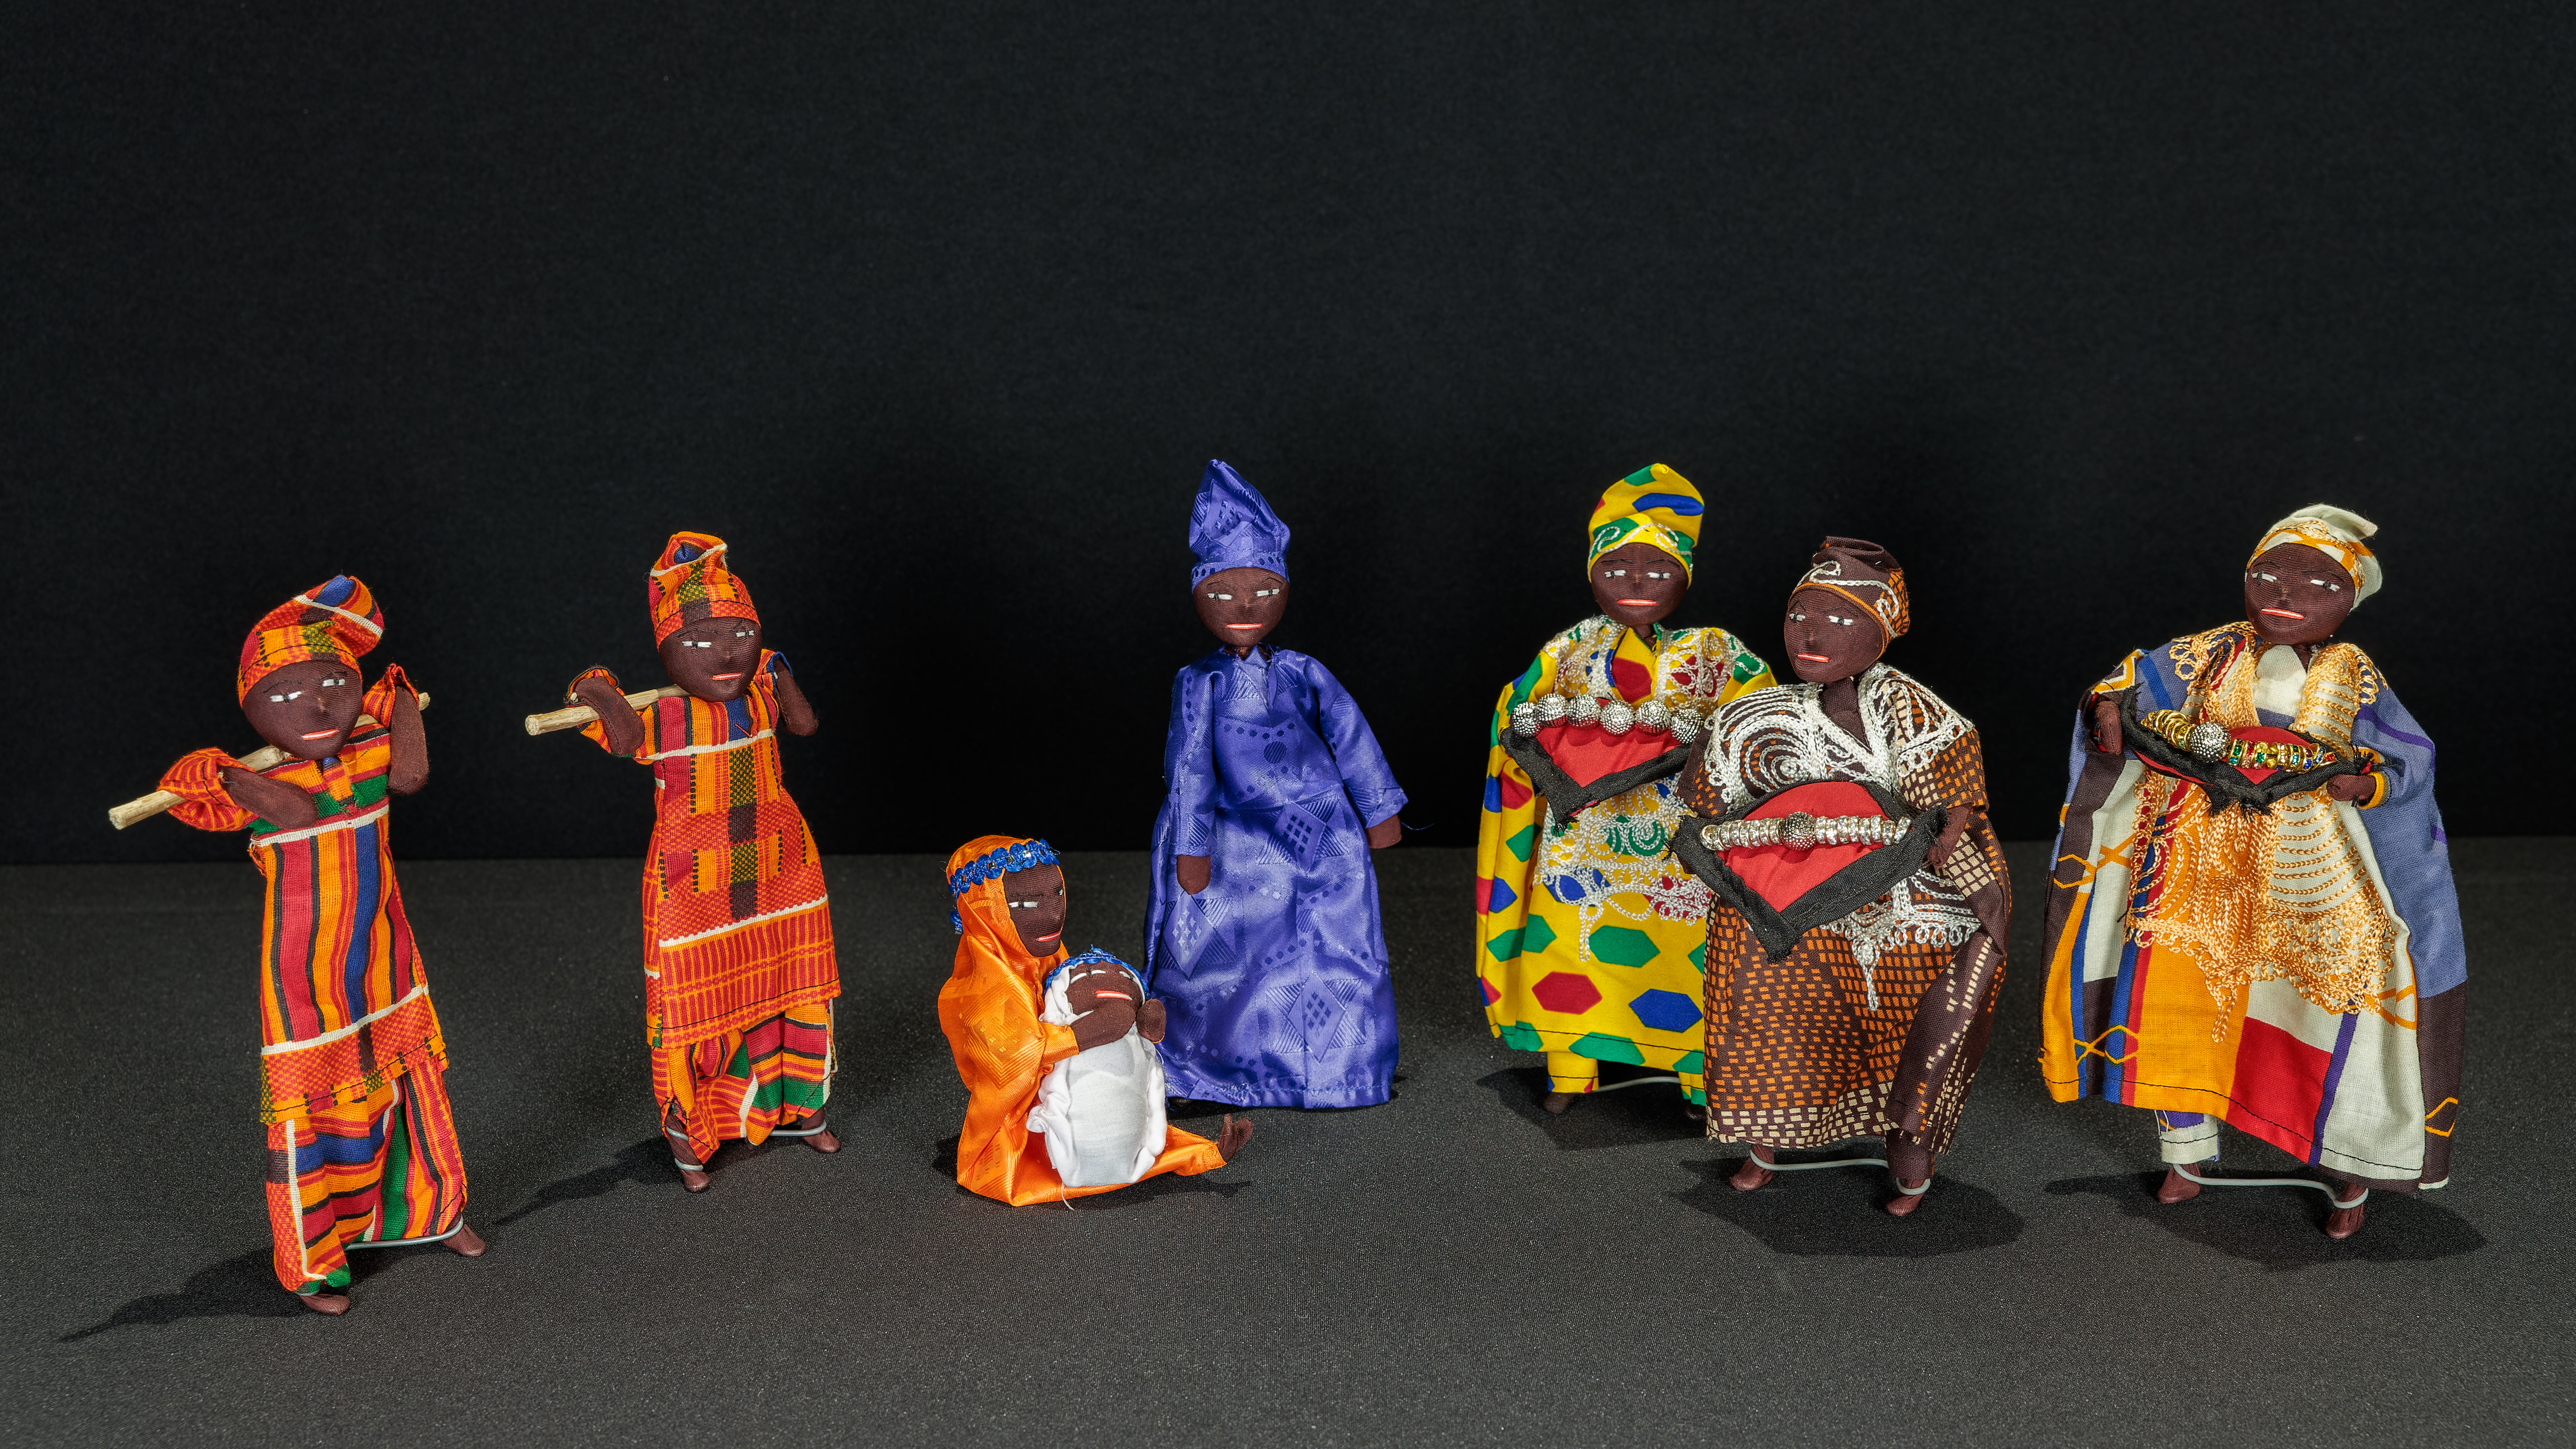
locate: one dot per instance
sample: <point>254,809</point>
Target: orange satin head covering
<point>975,872</point>
<point>333,620</point>
<point>1867,575</point>
<point>689,584</point>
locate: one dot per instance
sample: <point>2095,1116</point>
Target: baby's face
<point>1241,606</point>
<point>305,709</point>
<point>1036,899</point>
<point>714,660</point>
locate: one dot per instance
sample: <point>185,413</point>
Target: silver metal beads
<point>1525,719</point>
<point>1685,727</point>
<point>1653,717</point>
<point>1551,708</point>
<point>1798,830</point>
<point>2209,740</point>
<point>1584,710</point>
<point>1616,717</point>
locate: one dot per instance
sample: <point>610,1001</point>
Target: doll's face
<point>1829,637</point>
<point>1240,606</point>
<point>1036,899</point>
<point>1638,584</point>
<point>305,709</point>
<point>714,660</point>
<point>2295,594</point>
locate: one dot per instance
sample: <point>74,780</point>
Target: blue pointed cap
<point>1232,527</point>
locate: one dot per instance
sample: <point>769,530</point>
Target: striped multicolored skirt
<point>770,1078</point>
<point>382,1173</point>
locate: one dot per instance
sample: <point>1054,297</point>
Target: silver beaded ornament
<point>1616,717</point>
<point>1685,726</point>
<point>1551,708</point>
<point>1653,717</point>
<point>1525,719</point>
<point>1584,710</point>
<point>2209,740</point>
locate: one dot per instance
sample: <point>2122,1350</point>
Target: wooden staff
<point>268,757</point>
<point>576,716</point>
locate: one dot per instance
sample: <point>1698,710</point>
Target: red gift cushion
<point>1779,874</point>
<point>1588,752</point>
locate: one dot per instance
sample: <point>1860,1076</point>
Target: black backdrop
<point>935,312</point>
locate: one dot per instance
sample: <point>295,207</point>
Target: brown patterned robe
<point>1872,1023</point>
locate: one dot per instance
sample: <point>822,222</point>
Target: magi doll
<point>1263,929</point>
<point>1856,944</point>
<point>2252,918</point>
<point>362,1148</point>
<point>1064,1094</point>
<point>739,972</point>
<point>1588,935</point>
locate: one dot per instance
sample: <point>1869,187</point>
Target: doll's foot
<point>2345,1220</point>
<point>820,1139</point>
<point>331,1304</point>
<point>2176,1188</point>
<point>1695,1111</point>
<point>1231,1136</point>
<point>1756,1171</point>
<point>1557,1102</point>
<point>1909,1196</point>
<point>467,1243</point>
<point>692,1178</point>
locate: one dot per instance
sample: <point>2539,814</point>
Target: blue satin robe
<point>1275,976</point>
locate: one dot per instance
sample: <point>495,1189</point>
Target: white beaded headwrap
<point>2335,532</point>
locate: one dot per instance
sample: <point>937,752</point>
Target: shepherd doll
<point>2252,919</point>
<point>362,1148</point>
<point>1856,938</point>
<point>1065,1095</point>
<point>739,971</point>
<point>1588,934</point>
<point>1263,929</point>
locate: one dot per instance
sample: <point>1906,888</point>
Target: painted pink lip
<point>321,734</point>
<point>721,678</point>
<point>1243,626</point>
<point>2286,614</point>
<point>1815,659</point>
<point>1638,603</point>
<point>1051,935</point>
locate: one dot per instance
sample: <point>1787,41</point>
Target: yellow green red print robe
<point>1589,938</point>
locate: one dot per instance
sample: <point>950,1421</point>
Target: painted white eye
<point>1229,598</point>
<point>333,683</point>
<point>2267,578</point>
<point>277,699</point>
<point>1797,618</point>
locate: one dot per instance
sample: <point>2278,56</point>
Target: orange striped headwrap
<point>1867,575</point>
<point>334,620</point>
<point>689,584</point>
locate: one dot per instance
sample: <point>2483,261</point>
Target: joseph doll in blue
<point>1263,938</point>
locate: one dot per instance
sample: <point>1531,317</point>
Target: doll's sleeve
<point>1189,765</point>
<point>1356,753</point>
<point>596,732</point>
<point>379,703</point>
<point>197,779</point>
<point>1507,827</point>
<point>1745,671</point>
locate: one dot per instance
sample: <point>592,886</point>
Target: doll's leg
<point>2348,1197</point>
<point>1569,1076</point>
<point>2182,1140</point>
<point>1756,1169</point>
<point>1910,1163</point>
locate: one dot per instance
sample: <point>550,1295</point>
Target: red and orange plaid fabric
<point>689,584</point>
<point>736,920</point>
<point>337,619</point>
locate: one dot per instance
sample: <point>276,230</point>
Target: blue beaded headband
<point>1091,956</point>
<point>992,864</point>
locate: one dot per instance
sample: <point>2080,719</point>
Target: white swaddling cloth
<point>1100,1110</point>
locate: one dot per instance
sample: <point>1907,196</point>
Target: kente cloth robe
<point>2299,974</point>
<point>992,1010</point>
<point>739,967</point>
<point>1275,976</point>
<point>1874,1022</point>
<point>1588,936</point>
<point>362,1147</point>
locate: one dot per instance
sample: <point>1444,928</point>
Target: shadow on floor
<point>242,1287</point>
<point>647,1162</point>
<point>2283,1228</point>
<point>1841,1213</point>
<point>1650,1113</point>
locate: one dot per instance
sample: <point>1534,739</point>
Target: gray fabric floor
<point>1453,1267</point>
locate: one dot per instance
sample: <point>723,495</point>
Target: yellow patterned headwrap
<point>1652,505</point>
<point>2335,532</point>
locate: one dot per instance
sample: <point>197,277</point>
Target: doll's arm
<point>1366,776</point>
<point>279,804</point>
<point>619,729</point>
<point>1189,774</point>
<point>393,700</point>
<point>793,710</point>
